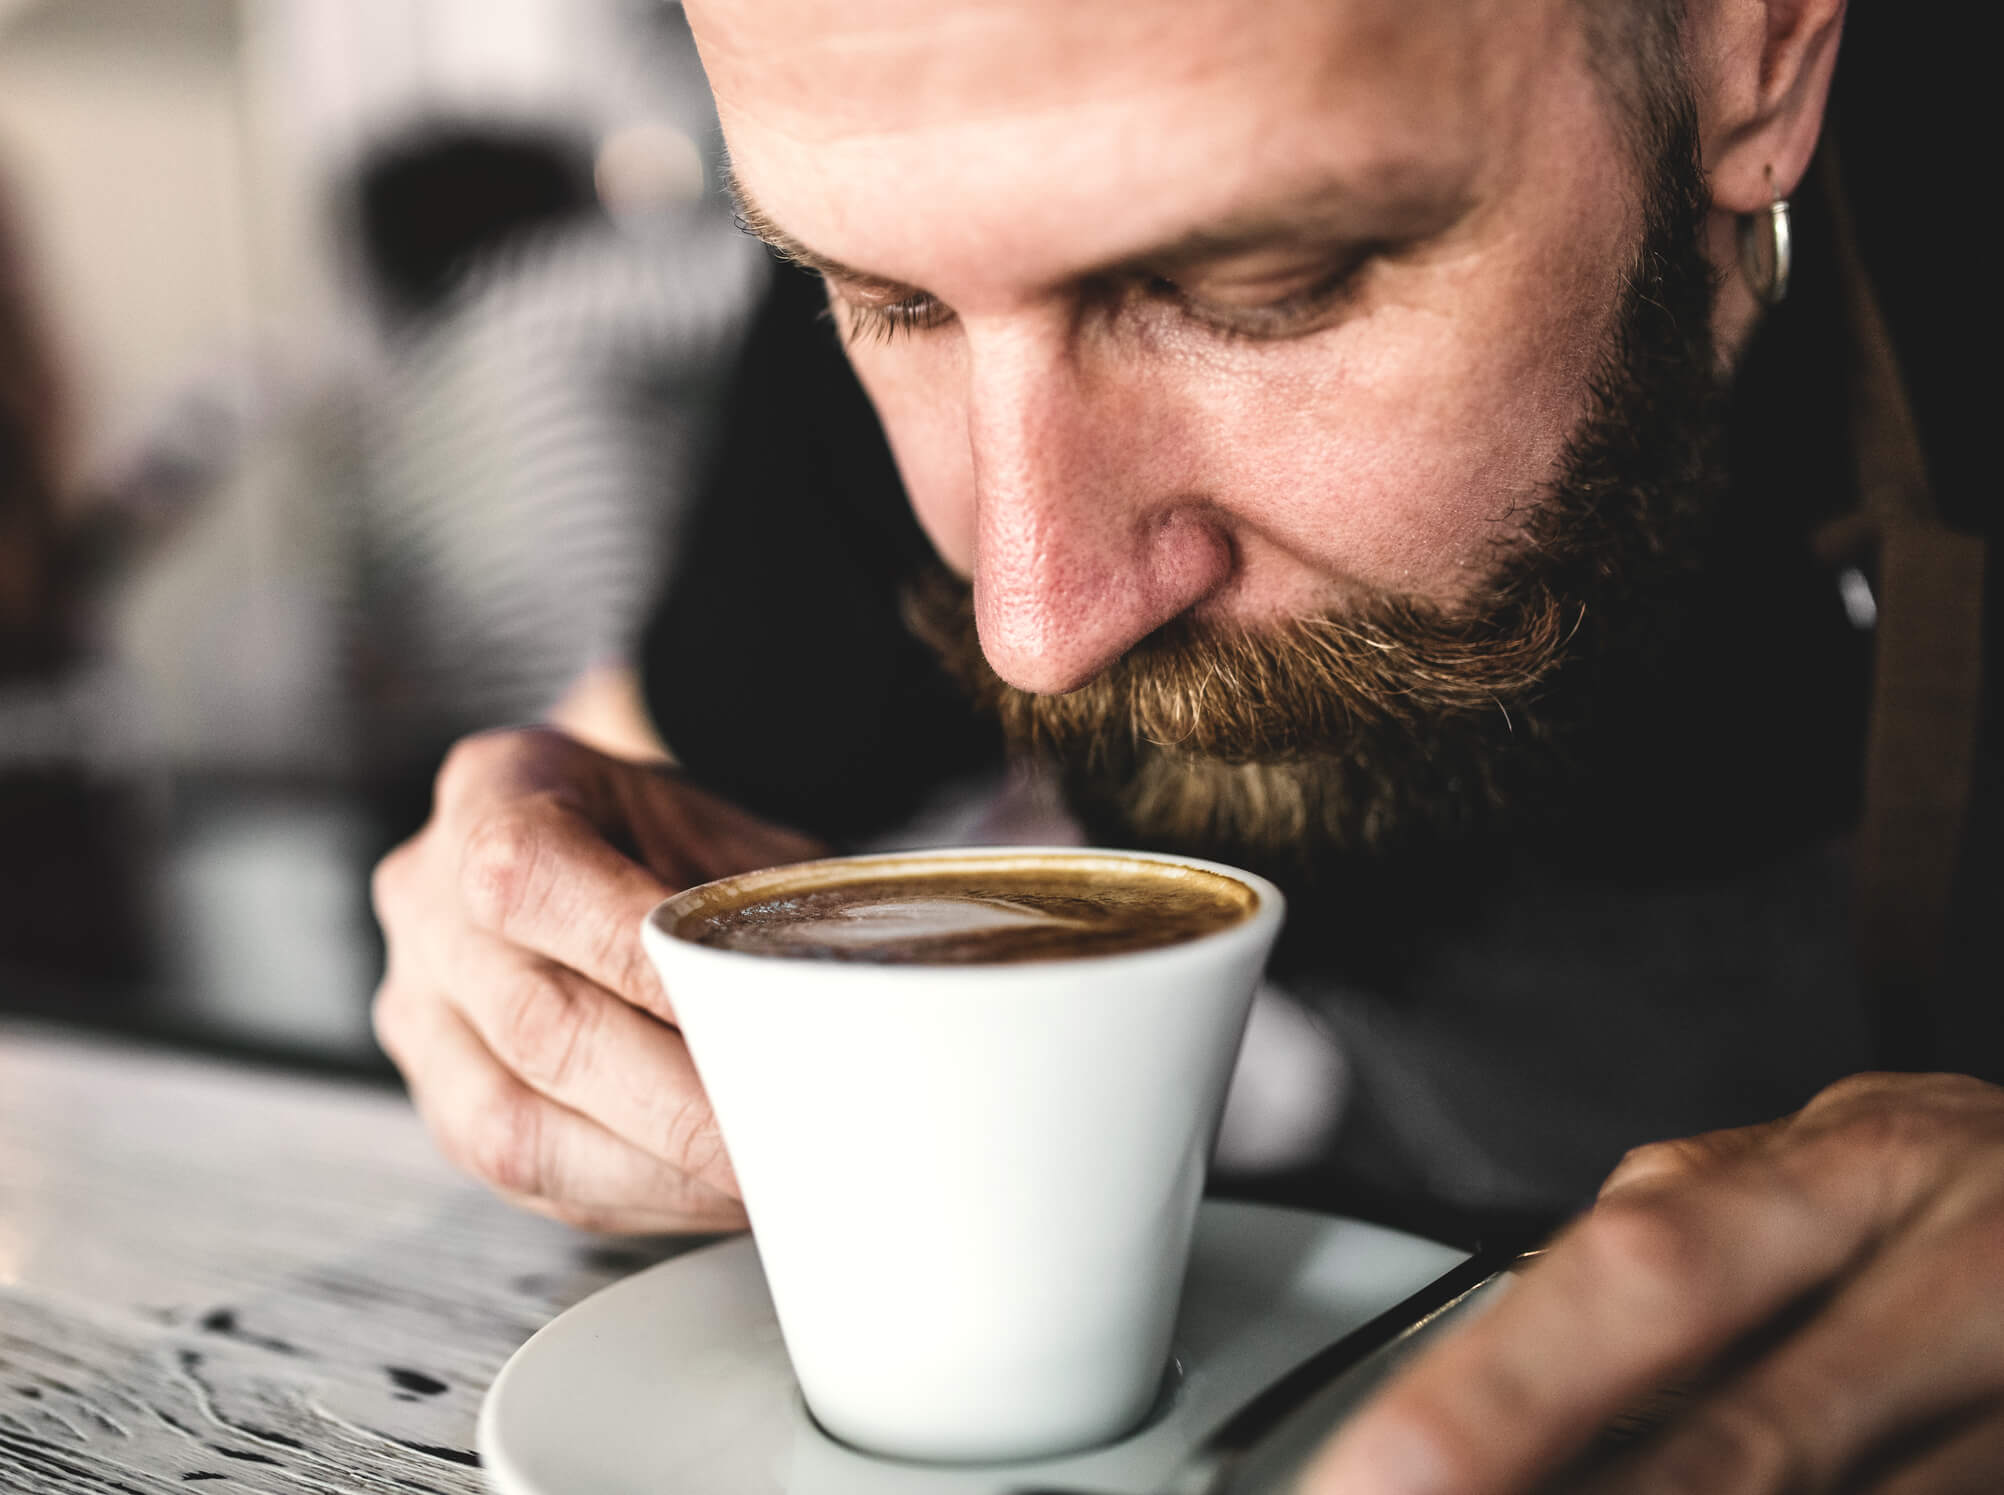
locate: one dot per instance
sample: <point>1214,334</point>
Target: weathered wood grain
<point>219,1278</point>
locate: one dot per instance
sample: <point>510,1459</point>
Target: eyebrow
<point>753,220</point>
<point>1317,219</point>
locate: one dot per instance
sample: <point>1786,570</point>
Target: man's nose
<point>1089,530</point>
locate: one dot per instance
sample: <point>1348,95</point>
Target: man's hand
<point>536,1039</point>
<point>1830,1286</point>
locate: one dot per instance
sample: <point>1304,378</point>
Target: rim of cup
<point>1269,906</point>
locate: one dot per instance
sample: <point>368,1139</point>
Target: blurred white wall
<point>178,246</point>
<point>171,157</point>
<point>355,67</point>
<point>121,132</point>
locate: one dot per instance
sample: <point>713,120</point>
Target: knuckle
<point>1654,1160</point>
<point>473,757</point>
<point>498,866</point>
<point>544,1028</point>
<point>503,1143</point>
<point>1648,1155</point>
<point>1965,1088</point>
<point>1943,1096</point>
<point>388,1021</point>
<point>694,1143</point>
<point>1866,1083</point>
<point>1650,1246</point>
<point>484,755</point>
<point>1916,1138</point>
<point>1891,1129</point>
<point>387,883</point>
<point>1972,1108</point>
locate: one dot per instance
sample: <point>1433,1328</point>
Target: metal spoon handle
<point>1211,1466</point>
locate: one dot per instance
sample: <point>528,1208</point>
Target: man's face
<point>1192,309</point>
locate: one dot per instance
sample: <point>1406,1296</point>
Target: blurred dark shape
<point>73,916</point>
<point>30,422</point>
<point>797,558</point>
<point>1912,116</point>
<point>432,201</point>
<point>70,902</point>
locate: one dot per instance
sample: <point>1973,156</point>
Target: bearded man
<point>1326,428</point>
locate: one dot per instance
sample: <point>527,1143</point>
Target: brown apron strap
<point>1927,688</point>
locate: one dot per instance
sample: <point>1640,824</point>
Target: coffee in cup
<point>980,913</point>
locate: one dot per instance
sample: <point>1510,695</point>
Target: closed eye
<point>870,320</point>
<point>1249,311</point>
<point>1271,312</point>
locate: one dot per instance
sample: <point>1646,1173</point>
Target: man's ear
<point>1762,69</point>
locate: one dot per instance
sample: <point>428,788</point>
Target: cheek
<point>1402,448</point>
<point>919,390</point>
<point>1398,450</point>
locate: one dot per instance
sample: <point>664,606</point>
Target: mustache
<point>1302,688</point>
<point>1270,746</point>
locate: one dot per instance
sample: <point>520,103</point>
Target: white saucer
<point>675,1381</point>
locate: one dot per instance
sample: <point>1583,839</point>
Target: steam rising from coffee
<point>1398,724</point>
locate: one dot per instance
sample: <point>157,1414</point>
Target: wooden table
<point>243,1280</point>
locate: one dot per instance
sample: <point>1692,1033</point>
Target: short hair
<point>1636,48</point>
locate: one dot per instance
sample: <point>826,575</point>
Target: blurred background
<point>353,354</point>
<point>356,360</point>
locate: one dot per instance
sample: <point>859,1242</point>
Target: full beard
<point>1398,727</point>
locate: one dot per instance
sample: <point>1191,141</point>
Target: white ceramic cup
<point>972,1186</point>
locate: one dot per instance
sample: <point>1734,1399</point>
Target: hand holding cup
<point>537,1043</point>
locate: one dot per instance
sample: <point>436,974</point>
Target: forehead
<point>899,135</point>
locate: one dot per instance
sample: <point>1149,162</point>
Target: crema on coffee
<point>969,913</point>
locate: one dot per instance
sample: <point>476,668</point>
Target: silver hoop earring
<point>1766,248</point>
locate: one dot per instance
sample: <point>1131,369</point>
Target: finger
<point>523,1144</point>
<point>1894,1110</point>
<point>1968,1462</point>
<point>608,1220</point>
<point>685,827</point>
<point>536,873</point>
<point>587,1050</point>
<point>684,834</point>
<point>1913,1341</point>
<point>391,1016</point>
<point>1646,1289</point>
<point>1661,1163</point>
